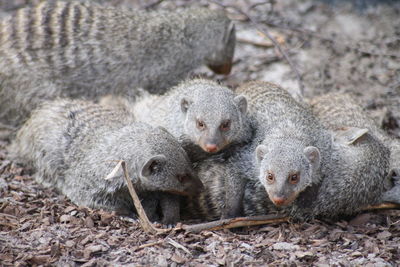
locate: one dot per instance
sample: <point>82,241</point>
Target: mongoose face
<point>158,170</point>
<point>214,119</point>
<point>286,170</point>
<point>169,169</point>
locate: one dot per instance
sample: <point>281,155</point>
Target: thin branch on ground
<point>159,242</point>
<point>147,226</point>
<point>383,206</point>
<point>177,245</point>
<point>235,222</point>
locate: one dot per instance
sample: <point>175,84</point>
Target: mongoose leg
<point>170,208</point>
<point>150,207</point>
<point>234,202</point>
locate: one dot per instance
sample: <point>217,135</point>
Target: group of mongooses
<point>198,148</point>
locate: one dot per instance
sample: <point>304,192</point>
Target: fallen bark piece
<point>177,245</point>
<point>159,242</point>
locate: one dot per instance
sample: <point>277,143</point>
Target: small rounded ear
<point>349,135</point>
<point>261,150</point>
<point>152,165</point>
<point>185,103</point>
<point>313,155</point>
<point>241,102</point>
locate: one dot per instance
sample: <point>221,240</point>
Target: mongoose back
<point>347,111</point>
<point>74,145</point>
<point>82,49</point>
<point>291,143</point>
<point>201,111</point>
<point>339,110</point>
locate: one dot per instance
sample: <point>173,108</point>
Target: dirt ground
<point>348,48</point>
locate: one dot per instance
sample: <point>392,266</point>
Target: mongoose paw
<point>169,222</point>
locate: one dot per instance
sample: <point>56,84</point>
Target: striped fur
<point>85,50</point>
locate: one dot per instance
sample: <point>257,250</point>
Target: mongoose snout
<point>213,142</point>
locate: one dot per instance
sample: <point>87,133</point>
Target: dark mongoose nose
<point>211,148</point>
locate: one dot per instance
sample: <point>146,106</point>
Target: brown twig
<point>255,43</point>
<point>265,31</point>
<point>143,219</point>
<point>234,223</point>
<point>383,206</point>
<point>159,242</point>
<point>177,245</point>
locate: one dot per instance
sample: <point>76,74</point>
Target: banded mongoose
<point>292,146</point>
<point>197,111</point>
<point>354,179</point>
<point>82,49</point>
<point>338,110</point>
<point>74,145</point>
<point>305,167</point>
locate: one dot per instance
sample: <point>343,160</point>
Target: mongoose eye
<point>182,178</point>
<point>270,178</point>
<point>294,178</point>
<point>226,125</point>
<point>200,124</point>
